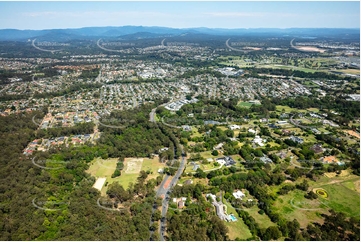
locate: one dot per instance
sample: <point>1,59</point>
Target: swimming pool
<point>232,217</point>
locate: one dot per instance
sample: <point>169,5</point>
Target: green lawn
<point>237,228</point>
<point>342,199</point>
<point>263,220</point>
<point>152,165</point>
<point>105,168</point>
<point>286,108</point>
<point>294,206</point>
<point>102,168</point>
<point>246,104</point>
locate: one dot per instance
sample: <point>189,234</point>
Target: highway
<point>38,48</point>
<point>233,48</point>
<point>106,49</point>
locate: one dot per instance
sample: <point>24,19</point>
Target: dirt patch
<point>353,133</point>
<point>330,174</point>
<point>133,165</point>
<point>99,183</point>
<point>344,173</point>
<point>310,48</point>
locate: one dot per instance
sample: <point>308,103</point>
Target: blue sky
<point>212,14</point>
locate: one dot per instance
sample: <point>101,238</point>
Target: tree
<point>272,233</point>
<point>214,152</point>
<point>116,173</point>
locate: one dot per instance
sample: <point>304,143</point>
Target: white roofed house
<point>258,140</point>
<point>238,194</point>
<point>234,126</point>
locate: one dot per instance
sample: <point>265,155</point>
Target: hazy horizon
<point>227,15</point>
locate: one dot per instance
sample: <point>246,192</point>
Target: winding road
<point>38,48</point>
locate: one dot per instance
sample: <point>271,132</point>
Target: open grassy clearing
<point>288,109</point>
<point>204,167</point>
<point>342,199</point>
<point>152,165</point>
<point>263,220</point>
<point>287,67</point>
<point>246,104</point>
<point>295,206</point>
<point>130,173</point>
<point>102,168</point>
<point>350,71</point>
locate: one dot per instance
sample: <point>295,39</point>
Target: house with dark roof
<point>317,148</point>
<point>296,139</point>
<point>227,161</point>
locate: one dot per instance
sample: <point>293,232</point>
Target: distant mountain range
<point>136,32</point>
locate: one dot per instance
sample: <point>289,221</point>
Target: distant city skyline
<point>213,14</point>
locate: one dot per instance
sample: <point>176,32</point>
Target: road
<point>152,115</point>
<point>164,191</point>
<point>298,125</point>
<point>38,48</point>
<point>106,49</point>
<point>234,48</point>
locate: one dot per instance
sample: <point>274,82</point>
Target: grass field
<point>350,71</point>
<point>152,165</point>
<point>102,168</point>
<point>343,196</point>
<point>342,199</point>
<point>294,206</point>
<point>263,220</point>
<point>130,173</point>
<point>246,104</point>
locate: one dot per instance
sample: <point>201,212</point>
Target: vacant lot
<point>102,168</point>
<point>133,165</point>
<point>130,173</point>
<point>246,104</point>
<point>343,196</point>
<point>294,206</point>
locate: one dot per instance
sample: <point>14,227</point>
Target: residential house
<point>181,204</point>
<point>317,148</point>
<point>234,126</point>
<point>296,139</point>
<point>238,194</point>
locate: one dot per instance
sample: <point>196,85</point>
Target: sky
<point>188,14</point>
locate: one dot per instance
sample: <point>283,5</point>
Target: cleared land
<point>343,196</point>
<point>132,167</point>
<point>246,104</point>
<point>99,183</point>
